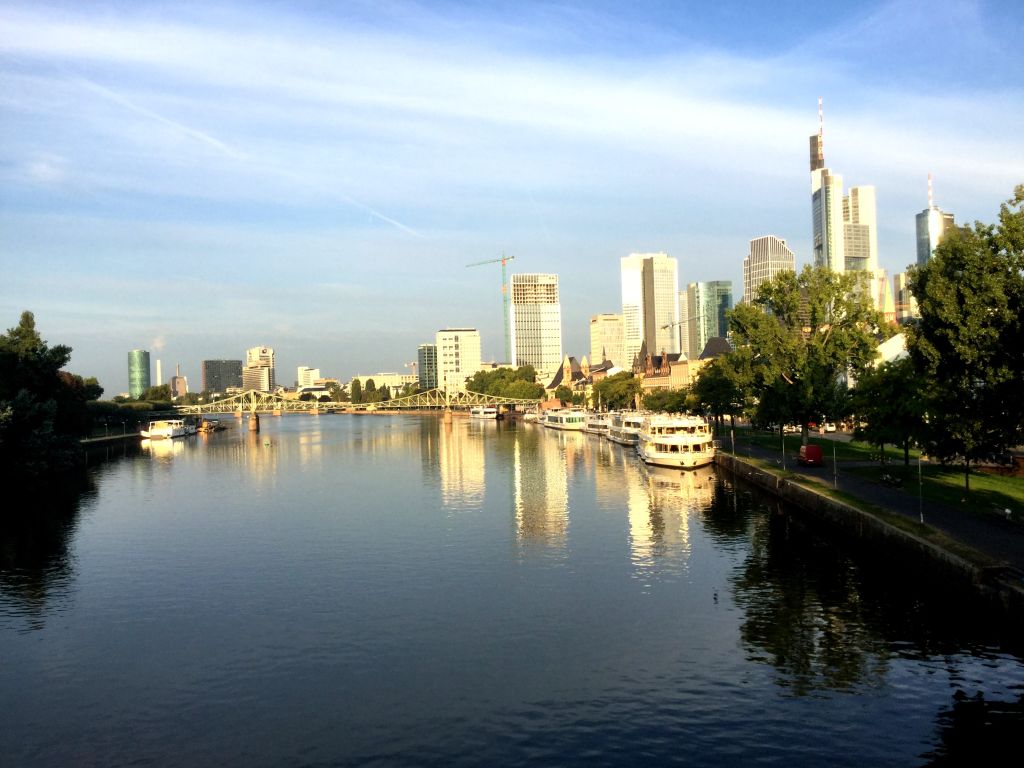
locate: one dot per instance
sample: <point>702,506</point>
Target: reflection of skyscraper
<point>768,256</point>
<point>461,462</point>
<point>138,372</point>
<point>541,488</point>
<point>536,323</point>
<point>932,226</point>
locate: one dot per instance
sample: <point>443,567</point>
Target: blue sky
<point>199,178</point>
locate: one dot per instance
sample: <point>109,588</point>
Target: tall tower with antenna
<point>932,225</point>
<point>826,205</point>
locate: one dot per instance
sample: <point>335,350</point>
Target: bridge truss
<point>254,401</point>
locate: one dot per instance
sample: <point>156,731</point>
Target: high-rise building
<point>305,377</point>
<point>860,230</point>
<point>650,304</point>
<point>932,225</point>
<point>536,323</point>
<point>768,256</point>
<point>826,207</point>
<point>606,339</point>
<point>258,372</point>
<point>906,303</point>
<point>138,372</point>
<point>218,375</point>
<point>708,304</point>
<point>178,383</point>
<point>426,367</point>
<point>458,357</point>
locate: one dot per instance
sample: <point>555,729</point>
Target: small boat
<point>679,442</point>
<point>530,417</point>
<point>596,423</point>
<point>624,427</point>
<point>483,412</point>
<point>163,429</point>
<point>565,419</point>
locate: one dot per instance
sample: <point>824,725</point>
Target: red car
<point>810,456</point>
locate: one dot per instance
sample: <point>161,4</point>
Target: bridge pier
<point>254,422</point>
<point>447,415</point>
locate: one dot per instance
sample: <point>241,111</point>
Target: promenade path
<point>981,529</point>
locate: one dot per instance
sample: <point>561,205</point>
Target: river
<point>391,590</point>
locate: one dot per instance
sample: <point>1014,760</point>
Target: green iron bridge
<point>253,401</point>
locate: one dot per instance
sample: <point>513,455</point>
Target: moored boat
<point>624,427</point>
<point>483,412</point>
<point>565,419</point>
<point>163,429</point>
<point>679,442</point>
<point>596,423</point>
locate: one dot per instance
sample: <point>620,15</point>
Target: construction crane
<point>504,298</point>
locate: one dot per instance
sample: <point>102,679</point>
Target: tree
<point>804,333</point>
<point>161,393</point>
<point>563,394</point>
<point>93,390</point>
<point>722,385</point>
<point>667,400</point>
<point>968,345</point>
<point>357,391</point>
<point>338,393</point>
<point>889,399</point>
<point>617,392</point>
<point>507,382</point>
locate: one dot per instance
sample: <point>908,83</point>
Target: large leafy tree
<point>803,334</point>
<point>889,400</point>
<point>969,342</point>
<point>357,391</point>
<point>517,383</point>
<point>618,391</point>
<point>723,385</point>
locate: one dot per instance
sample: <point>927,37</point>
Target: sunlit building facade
<point>426,367</point>
<point>708,303</point>
<point>650,304</point>
<point>536,322</point>
<point>768,256</point>
<point>258,372</point>
<point>606,339</point>
<point>458,357</point>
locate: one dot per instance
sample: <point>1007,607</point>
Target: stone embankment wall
<point>870,531</point>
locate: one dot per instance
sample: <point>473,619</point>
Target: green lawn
<point>844,451</point>
<point>989,494</point>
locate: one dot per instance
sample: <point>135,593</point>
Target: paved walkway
<point>982,530</point>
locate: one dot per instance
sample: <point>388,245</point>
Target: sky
<point>197,178</point>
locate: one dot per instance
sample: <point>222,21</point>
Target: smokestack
<point>159,374</point>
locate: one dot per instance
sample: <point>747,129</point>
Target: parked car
<point>830,427</point>
<point>791,428</point>
<point>810,456</point>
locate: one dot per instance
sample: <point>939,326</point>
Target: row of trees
<point>808,336</point>
<point>520,383</point>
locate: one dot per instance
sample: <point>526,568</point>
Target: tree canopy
<point>617,392</point>
<point>518,383</point>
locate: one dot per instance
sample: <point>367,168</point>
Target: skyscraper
<point>905,302</point>
<point>305,376</point>
<point>768,256</point>
<point>826,206</point>
<point>458,357</point>
<point>860,230</point>
<point>258,373</point>
<point>707,304</point>
<point>138,372</point>
<point>650,304</point>
<point>606,339</point>
<point>426,366</point>
<point>536,323</point>
<point>932,225</point>
<point>218,375</point>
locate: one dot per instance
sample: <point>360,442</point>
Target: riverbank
<point>985,555</point>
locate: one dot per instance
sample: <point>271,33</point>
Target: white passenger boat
<point>163,429</point>
<point>568,420</point>
<point>483,412</point>
<point>679,442</point>
<point>596,423</point>
<point>624,427</point>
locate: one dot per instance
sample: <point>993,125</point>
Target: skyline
<point>195,180</point>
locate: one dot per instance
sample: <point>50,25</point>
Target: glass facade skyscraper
<point>138,372</point>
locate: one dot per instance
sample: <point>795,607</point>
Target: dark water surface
<point>344,590</point>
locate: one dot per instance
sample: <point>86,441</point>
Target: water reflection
<point>461,462</point>
<point>36,568</point>
<point>540,488</point>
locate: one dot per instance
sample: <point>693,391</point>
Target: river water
<point>390,590</point>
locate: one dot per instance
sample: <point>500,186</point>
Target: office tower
<point>708,304</point>
<point>826,206</point>
<point>860,230</point>
<point>536,323</point>
<point>932,225</point>
<point>305,377</point>
<point>258,372</point>
<point>179,383</point>
<point>768,256</point>
<point>218,375</point>
<point>606,339</point>
<point>906,303</point>
<point>650,304</point>
<point>426,366</point>
<point>882,296</point>
<point>138,372</point>
<point>458,357</point>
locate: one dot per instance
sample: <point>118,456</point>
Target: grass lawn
<point>844,451</point>
<point>989,493</point>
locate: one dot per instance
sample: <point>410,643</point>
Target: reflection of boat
<point>683,442</point>
<point>163,429</point>
<point>162,448</point>
<point>624,427</point>
<point>596,423</point>
<point>483,412</point>
<point>210,425</point>
<point>565,419</point>
<point>691,486</point>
